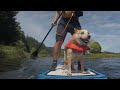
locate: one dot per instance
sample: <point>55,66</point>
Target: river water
<point>31,68</point>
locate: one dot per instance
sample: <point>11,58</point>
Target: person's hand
<point>73,13</point>
<point>54,24</point>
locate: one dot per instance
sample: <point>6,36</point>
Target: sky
<point>104,27</point>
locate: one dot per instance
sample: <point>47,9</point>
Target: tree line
<point>11,33</point>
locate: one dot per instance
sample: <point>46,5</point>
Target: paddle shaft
<point>48,32</point>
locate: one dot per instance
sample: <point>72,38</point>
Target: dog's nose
<point>89,37</point>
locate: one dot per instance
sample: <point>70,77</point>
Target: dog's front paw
<point>69,74</point>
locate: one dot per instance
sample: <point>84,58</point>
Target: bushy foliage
<point>95,47</point>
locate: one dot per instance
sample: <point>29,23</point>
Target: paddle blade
<point>34,54</point>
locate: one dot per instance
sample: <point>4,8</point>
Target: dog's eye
<point>82,32</point>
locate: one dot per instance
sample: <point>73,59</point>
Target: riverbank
<point>11,57</point>
<point>91,55</point>
<point>102,55</point>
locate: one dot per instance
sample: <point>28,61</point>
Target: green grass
<point>102,55</point>
<point>99,55</point>
<point>89,55</point>
<point>11,57</point>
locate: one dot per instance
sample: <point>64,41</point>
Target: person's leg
<point>79,65</point>
<point>57,50</point>
<point>56,53</point>
<point>57,46</point>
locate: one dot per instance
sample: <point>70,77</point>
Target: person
<point>68,21</point>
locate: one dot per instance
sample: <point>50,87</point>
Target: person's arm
<point>55,18</point>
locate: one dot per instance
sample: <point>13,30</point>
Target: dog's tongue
<point>86,41</point>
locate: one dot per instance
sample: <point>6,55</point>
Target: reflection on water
<point>31,68</point>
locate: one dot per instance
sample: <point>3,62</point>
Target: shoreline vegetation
<point>92,55</point>
<point>11,57</point>
<point>102,55</point>
<point>88,55</point>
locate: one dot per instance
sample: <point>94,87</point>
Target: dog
<point>75,50</point>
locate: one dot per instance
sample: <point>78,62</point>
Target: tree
<point>10,30</point>
<point>95,47</point>
<point>30,43</point>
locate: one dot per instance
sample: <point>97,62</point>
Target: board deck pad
<point>59,71</point>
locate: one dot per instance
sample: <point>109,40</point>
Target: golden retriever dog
<point>75,50</point>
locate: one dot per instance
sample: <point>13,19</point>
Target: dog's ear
<point>75,30</point>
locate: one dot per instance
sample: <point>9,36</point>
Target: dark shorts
<point>74,23</point>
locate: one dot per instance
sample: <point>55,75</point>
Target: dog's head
<point>83,35</point>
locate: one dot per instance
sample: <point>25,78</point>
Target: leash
<point>65,25</point>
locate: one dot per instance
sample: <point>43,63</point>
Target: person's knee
<point>59,43</point>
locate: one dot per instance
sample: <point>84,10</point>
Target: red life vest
<point>75,47</point>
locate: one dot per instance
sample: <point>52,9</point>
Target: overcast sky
<point>104,27</point>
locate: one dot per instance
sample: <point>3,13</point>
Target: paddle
<point>35,53</point>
